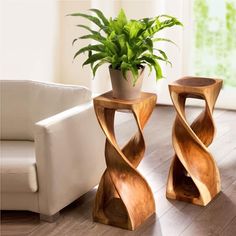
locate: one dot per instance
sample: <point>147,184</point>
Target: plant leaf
<point>162,59</point>
<point>162,53</point>
<point>134,71</point>
<point>155,64</point>
<point>124,68</point>
<point>149,44</point>
<point>97,47</point>
<point>110,46</point>
<point>171,17</point>
<point>103,61</point>
<point>95,57</point>
<point>121,18</point>
<point>164,39</point>
<point>94,19</point>
<point>133,27</point>
<point>122,44</point>
<point>74,41</point>
<point>96,37</point>
<point>101,16</point>
<point>87,28</point>
<point>125,44</point>
<point>130,53</point>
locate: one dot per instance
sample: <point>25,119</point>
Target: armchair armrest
<point>69,155</point>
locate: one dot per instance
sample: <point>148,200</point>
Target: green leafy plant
<point>125,44</point>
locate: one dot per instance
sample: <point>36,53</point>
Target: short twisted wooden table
<point>124,198</point>
<point>194,176</point>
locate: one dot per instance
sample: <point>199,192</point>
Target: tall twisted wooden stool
<point>124,198</point>
<point>193,176</point>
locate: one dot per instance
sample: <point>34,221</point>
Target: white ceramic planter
<point>123,87</point>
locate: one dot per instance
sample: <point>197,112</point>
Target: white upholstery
<point>27,102</point>
<point>64,157</point>
<point>18,167</point>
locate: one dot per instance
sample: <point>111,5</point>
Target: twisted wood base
<point>193,175</point>
<point>124,198</point>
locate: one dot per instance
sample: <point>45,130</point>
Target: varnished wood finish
<point>124,198</point>
<point>172,218</point>
<point>193,176</point>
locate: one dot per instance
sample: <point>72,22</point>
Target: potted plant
<point>127,45</point>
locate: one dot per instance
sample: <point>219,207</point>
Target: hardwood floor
<point>172,217</point>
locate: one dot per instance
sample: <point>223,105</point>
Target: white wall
<point>72,71</point>
<point>30,42</point>
<point>37,41</point>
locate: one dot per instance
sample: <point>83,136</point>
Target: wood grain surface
<point>124,198</point>
<point>193,176</point>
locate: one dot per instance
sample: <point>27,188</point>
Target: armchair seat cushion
<point>18,167</point>
<point>52,147</point>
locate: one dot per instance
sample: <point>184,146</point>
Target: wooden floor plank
<point>216,216</point>
<point>230,229</point>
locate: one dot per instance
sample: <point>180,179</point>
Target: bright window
<point>215,39</point>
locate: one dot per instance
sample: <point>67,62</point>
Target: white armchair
<point>52,149</point>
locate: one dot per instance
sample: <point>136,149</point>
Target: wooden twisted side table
<point>124,198</point>
<point>193,176</point>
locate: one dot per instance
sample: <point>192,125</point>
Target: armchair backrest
<point>24,102</point>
